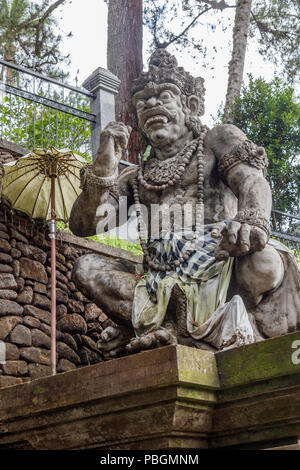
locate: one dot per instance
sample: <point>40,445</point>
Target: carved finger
<point>220,254</point>
<point>217,229</point>
<point>259,238</point>
<point>147,342</point>
<point>109,333</point>
<point>108,346</point>
<point>244,235</point>
<point>232,231</point>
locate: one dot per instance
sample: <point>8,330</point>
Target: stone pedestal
<point>172,397</point>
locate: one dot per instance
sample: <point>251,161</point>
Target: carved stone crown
<point>163,68</point>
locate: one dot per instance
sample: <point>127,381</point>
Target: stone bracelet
<point>89,181</point>
<point>253,217</point>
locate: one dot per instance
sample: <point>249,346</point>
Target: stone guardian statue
<point>213,278</point>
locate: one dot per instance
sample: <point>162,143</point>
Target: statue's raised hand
<point>113,142</point>
<point>238,239</point>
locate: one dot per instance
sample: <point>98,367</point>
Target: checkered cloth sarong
<point>201,265</point>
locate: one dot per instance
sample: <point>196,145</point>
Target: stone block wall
<point>25,300</point>
<point>25,305</point>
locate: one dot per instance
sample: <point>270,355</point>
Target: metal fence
<point>38,111</point>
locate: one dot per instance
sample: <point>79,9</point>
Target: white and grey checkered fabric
<point>201,265</point>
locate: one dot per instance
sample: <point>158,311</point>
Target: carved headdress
<point>163,68</point>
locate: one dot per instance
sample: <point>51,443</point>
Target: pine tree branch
<point>221,5</point>
<point>178,36</point>
<point>41,21</point>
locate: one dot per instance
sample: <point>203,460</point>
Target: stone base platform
<point>172,397</point>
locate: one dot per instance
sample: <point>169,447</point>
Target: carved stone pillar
<point>104,85</point>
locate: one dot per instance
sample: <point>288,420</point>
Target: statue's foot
<point>156,339</point>
<point>113,341</point>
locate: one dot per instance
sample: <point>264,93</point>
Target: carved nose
<point>151,102</point>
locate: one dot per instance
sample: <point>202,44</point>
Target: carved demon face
<point>161,114</point>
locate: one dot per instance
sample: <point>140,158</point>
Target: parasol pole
<point>52,236</point>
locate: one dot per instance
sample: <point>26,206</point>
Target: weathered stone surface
<point>40,288</point>
<point>93,357</point>
<point>36,355</point>
<point>11,352</point>
<point>4,246</point>
<point>26,296</point>
<point>6,268</point>
<point>92,312</point>
<point>20,283</point>
<point>61,267</point>
<point>102,318</point>
<point>40,339</point>
<point>33,270</point>
<point>8,294</point>
<point>15,253</point>
<point>16,368</point>
<point>61,311</point>
<point>38,313</point>
<point>62,286</point>
<point>79,296</point>
<point>95,327</point>
<point>47,330</point>
<point>3,227</point>
<point>78,339</point>
<point>31,322</point>
<point>66,352</point>
<point>86,341</point>
<point>7,281</point>
<point>95,336</point>
<point>13,243</point>
<point>37,371</point>
<point>16,267</point>
<point>72,286</point>
<point>4,235</point>
<point>69,340</point>
<point>17,235</point>
<point>72,323</point>
<point>7,324</point>
<point>75,306</point>
<point>41,301</point>
<point>61,277</point>
<point>6,381</point>
<point>61,296</point>
<point>59,256</point>
<point>5,259</point>
<point>65,366</point>
<point>9,307</point>
<point>21,335</point>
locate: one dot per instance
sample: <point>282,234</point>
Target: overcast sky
<point>88,21</point>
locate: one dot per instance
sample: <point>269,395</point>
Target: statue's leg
<point>109,283</point>
<point>259,273</point>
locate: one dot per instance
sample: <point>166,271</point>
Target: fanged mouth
<point>158,118</point>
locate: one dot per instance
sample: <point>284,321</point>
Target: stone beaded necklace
<point>186,158</point>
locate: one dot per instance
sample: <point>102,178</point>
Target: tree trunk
<point>9,55</point>
<point>125,59</point>
<point>236,64</point>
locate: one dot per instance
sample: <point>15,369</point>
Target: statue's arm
<point>97,207</point>
<point>242,165</point>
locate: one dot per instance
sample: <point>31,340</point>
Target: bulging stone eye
<point>165,95</point>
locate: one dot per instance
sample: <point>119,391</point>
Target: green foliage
<point>269,114</point>
<point>277,23</point>
<point>110,240</point>
<point>29,35</point>
<point>33,125</point>
<point>274,23</point>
